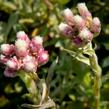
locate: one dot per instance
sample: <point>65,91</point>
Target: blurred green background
<point>70,80</point>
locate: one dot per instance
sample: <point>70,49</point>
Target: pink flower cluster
<point>25,54</point>
<point>80,28</point>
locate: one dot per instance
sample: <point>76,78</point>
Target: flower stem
<point>97,79</point>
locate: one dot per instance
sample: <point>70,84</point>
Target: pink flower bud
<point>13,63</point>
<point>66,30</point>
<point>77,41</point>
<point>84,12</point>
<point>3,59</point>
<point>85,35</point>
<point>36,44</point>
<point>96,26</point>
<point>43,57</point>
<point>21,53</point>
<point>37,40</point>
<point>68,15</point>
<point>23,36</point>
<point>21,47</point>
<point>21,44</point>
<point>9,72</point>
<point>30,64</point>
<point>28,58</point>
<point>79,22</point>
<point>7,49</point>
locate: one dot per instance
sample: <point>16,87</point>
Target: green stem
<point>97,79</point>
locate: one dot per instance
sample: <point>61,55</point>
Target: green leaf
<point>3,101</point>
<point>8,89</point>
<point>106,44</point>
<point>87,79</point>
<point>45,31</point>
<point>10,5</point>
<point>105,62</point>
<point>75,105</point>
<point>63,1</point>
<point>2,31</point>
<point>51,71</point>
<point>83,59</point>
<point>80,70</point>
<point>78,56</point>
<point>7,6</point>
<point>72,97</point>
<point>30,84</point>
<point>11,22</point>
<point>105,77</point>
<point>18,27</point>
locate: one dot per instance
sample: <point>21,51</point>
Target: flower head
<point>79,22</point>
<point>83,10</point>
<point>85,34</point>
<point>80,28</point>
<point>9,72</point>
<point>68,15</point>
<point>26,54</point>
<point>23,36</point>
<point>30,64</point>
<point>7,49</point>
<point>96,26</point>
<point>13,63</point>
<point>3,58</point>
<point>43,57</point>
<point>21,47</point>
<point>36,44</point>
<point>66,30</point>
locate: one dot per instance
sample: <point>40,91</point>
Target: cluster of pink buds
<point>80,28</point>
<point>25,54</point>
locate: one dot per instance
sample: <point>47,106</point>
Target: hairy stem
<point>97,79</point>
